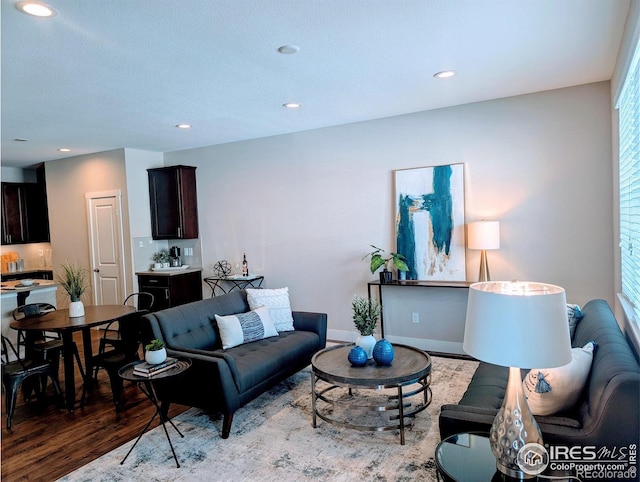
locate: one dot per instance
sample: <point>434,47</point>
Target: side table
<point>467,457</point>
<point>146,384</point>
<point>230,283</point>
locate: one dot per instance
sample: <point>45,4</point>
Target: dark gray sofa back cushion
<point>193,326</point>
<point>615,366</point>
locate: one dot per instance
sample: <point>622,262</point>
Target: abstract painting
<point>430,222</point>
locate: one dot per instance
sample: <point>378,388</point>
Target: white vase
<point>153,357</point>
<point>366,342</point>
<point>76,309</point>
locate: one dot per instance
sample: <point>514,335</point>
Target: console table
<point>217,283</point>
<point>440,304</point>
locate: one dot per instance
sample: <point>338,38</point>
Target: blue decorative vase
<point>357,357</point>
<point>383,353</point>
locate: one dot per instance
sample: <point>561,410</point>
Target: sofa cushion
<point>245,327</point>
<point>277,300</point>
<point>574,315</point>
<point>552,390</point>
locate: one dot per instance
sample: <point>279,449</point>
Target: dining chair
<point>15,372</point>
<point>43,345</point>
<point>125,352</point>
<point>113,337</point>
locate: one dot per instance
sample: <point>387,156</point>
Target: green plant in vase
<point>155,352</point>
<point>378,260</point>
<point>73,279</point>
<point>366,312</point>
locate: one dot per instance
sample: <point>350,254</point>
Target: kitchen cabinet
<point>171,288</point>
<point>173,202</point>
<point>25,216</point>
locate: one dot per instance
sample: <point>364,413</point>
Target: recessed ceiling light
<point>183,126</point>
<point>292,105</point>
<point>445,74</point>
<point>288,49</point>
<point>64,149</point>
<point>37,9</point>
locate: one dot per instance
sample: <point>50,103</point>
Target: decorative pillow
<point>245,327</point>
<point>551,390</point>
<point>574,315</point>
<point>277,300</point>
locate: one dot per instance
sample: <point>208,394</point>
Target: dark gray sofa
<point>607,413</point>
<point>221,381</point>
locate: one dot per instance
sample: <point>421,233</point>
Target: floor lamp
<point>483,235</point>
<point>517,325</point>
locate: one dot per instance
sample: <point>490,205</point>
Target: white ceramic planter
<point>76,309</point>
<point>153,357</point>
<point>366,343</point>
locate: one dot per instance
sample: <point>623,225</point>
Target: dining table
<point>59,321</point>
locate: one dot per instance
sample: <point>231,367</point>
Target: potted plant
<point>161,259</point>
<point>73,279</point>
<point>366,312</point>
<point>155,352</point>
<point>377,261</point>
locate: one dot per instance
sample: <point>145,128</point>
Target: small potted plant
<point>73,279</point>
<point>378,261</point>
<point>366,312</point>
<point>155,352</point>
<point>161,259</point>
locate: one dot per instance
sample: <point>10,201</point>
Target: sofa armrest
<point>208,372</point>
<point>314,322</point>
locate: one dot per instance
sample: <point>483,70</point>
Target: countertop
<point>9,287</point>
<point>168,271</point>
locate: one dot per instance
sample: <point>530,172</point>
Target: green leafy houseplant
<point>73,279</point>
<point>154,345</point>
<point>365,315</point>
<point>161,256</point>
<point>377,260</point>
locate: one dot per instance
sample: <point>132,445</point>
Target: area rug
<point>272,439</point>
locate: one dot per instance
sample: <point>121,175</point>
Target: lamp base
<point>484,275</point>
<point>513,427</point>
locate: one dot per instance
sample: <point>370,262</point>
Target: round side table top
<point>409,364</point>
<point>126,372</point>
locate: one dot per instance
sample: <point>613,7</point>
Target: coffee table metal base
<point>336,387</point>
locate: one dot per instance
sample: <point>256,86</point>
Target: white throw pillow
<point>551,390</point>
<point>277,300</point>
<point>245,327</point>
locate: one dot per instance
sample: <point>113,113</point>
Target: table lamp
<point>518,325</point>
<point>483,235</point>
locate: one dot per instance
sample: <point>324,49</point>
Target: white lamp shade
<point>517,324</point>
<point>483,235</point>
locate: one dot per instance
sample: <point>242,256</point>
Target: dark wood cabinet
<point>172,289</point>
<point>173,202</point>
<point>25,217</point>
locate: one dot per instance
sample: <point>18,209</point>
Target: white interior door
<point>104,210</point>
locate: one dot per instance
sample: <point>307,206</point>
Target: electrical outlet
<point>415,318</point>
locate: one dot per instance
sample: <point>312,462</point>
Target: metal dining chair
<point>15,372</point>
<point>43,345</point>
<point>125,352</point>
<point>113,338</point>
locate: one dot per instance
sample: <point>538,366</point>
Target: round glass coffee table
<point>339,389</point>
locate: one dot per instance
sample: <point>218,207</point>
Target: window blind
<point>629,169</point>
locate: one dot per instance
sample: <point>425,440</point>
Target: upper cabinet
<point>25,217</point>
<point>174,207</point>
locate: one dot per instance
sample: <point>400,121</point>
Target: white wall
<point>306,206</point>
<point>68,180</point>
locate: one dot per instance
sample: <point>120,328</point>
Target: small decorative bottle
<point>245,265</point>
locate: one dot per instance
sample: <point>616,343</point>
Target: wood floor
<point>46,442</point>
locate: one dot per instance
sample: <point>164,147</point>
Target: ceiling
<point>106,74</point>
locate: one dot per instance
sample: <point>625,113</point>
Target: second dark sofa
<point>223,380</point>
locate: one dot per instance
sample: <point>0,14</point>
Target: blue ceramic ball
<point>383,353</point>
<point>357,357</point>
